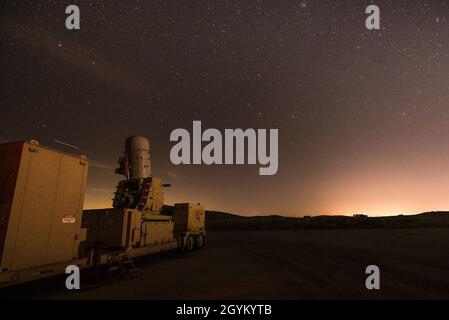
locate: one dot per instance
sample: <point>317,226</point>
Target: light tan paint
<point>49,184</point>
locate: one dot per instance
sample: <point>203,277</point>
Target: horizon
<point>300,215</point>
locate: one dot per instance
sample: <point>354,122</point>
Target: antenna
<point>66,144</point>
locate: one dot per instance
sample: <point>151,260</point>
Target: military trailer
<point>43,227</point>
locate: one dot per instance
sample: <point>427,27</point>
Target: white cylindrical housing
<point>137,150</point>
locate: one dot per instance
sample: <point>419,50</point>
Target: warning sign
<point>68,218</point>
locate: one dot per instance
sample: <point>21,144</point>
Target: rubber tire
<point>199,241</point>
<point>190,244</point>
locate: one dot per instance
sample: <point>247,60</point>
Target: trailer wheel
<point>189,243</point>
<point>199,241</point>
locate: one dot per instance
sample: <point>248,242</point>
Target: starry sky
<point>362,114</point>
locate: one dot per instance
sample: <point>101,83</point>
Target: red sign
<point>68,218</point>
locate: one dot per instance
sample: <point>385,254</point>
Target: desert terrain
<point>279,264</point>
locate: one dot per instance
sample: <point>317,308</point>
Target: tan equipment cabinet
<point>189,217</point>
<point>41,202</point>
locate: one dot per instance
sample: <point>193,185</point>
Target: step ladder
<point>122,264</point>
<point>117,195</point>
<point>144,193</point>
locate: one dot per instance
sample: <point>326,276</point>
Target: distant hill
<point>435,214</point>
<point>216,220</point>
<point>218,215</point>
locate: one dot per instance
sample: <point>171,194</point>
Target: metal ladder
<point>144,193</point>
<point>117,195</point>
<point>122,263</point>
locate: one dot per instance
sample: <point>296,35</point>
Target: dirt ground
<point>290,264</point>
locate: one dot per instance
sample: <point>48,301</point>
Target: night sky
<point>362,114</point>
